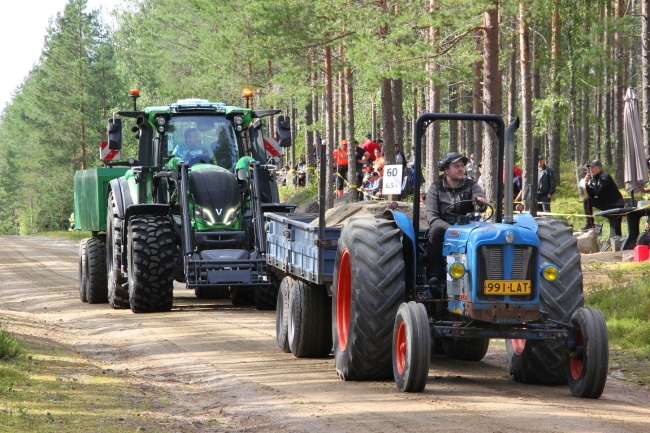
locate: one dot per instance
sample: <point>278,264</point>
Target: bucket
<point>641,253</point>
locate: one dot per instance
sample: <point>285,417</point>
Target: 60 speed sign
<point>392,180</point>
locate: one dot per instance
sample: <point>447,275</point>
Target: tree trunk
<point>309,142</point>
<point>529,166</point>
<point>433,106</point>
<point>387,121</point>
<point>373,117</point>
<point>618,96</point>
<point>584,135</point>
<point>571,127</point>
<point>645,76</point>
<point>538,140</point>
<point>556,120</point>
<point>329,130</point>
<point>469,127</point>
<point>398,110</point>
<point>491,98</point>
<point>477,108</point>
<point>512,81</point>
<point>342,111</point>
<point>453,124</point>
<point>349,101</point>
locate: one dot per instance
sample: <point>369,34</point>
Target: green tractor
<point>189,209</point>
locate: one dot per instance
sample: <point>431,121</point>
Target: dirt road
<point>224,372</point>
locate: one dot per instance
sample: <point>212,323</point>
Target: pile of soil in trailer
<point>337,216</point>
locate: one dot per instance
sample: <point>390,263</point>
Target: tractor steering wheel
<point>198,155</point>
<point>485,218</point>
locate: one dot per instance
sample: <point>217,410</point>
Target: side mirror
<point>114,133</point>
<point>283,130</point>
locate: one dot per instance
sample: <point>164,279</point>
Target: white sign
<point>392,179</point>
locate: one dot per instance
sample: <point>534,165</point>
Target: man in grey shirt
<point>472,167</point>
<point>445,194</point>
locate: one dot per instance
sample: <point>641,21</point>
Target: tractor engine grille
<point>491,266</point>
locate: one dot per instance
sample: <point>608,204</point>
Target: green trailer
<point>91,194</point>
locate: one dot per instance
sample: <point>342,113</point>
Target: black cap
<point>368,136</point>
<point>450,158</point>
<point>595,163</point>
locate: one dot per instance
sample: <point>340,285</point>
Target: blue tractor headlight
<point>550,272</point>
<point>456,270</point>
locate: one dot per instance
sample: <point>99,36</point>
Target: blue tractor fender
<point>409,240</point>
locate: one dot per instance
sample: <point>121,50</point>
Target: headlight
<point>161,129</point>
<point>160,121</point>
<point>231,215</point>
<point>550,272</point>
<point>456,270</point>
<point>239,128</point>
<point>203,214</point>
<point>239,120</point>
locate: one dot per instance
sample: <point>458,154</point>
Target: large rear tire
<point>543,362</point>
<point>466,349</point>
<point>368,289</point>
<point>96,283</point>
<point>118,286</point>
<point>588,362</point>
<point>242,296</point>
<point>266,297</point>
<point>282,314</point>
<point>151,264</point>
<point>411,347</point>
<point>82,270</point>
<point>308,328</point>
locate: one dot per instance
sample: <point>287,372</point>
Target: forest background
<point>340,69</point>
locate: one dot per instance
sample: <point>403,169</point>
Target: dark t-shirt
<point>359,152</point>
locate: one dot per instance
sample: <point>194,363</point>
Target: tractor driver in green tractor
<point>449,197</point>
<point>192,151</point>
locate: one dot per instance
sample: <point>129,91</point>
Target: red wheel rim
<point>400,348</point>
<point>576,364</point>
<point>343,299</point>
<point>518,345</point>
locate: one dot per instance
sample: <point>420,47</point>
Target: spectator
<point>472,168</point>
<point>369,184</point>
<point>444,195</point>
<point>370,146</point>
<point>302,170</point>
<point>378,160</point>
<point>479,167</point>
<point>341,158</point>
<point>423,195</point>
<point>400,158</point>
<point>603,194</point>
<point>361,157</point>
<point>545,185</point>
<point>378,183</point>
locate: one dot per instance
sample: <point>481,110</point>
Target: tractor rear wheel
<point>368,289</point>
<point>588,361</point>
<point>82,270</point>
<point>218,293</point>
<point>411,347</point>
<point>282,314</point>
<point>543,362</point>
<point>242,296</point>
<point>266,297</point>
<point>308,324</point>
<point>151,264</point>
<point>96,284</point>
<point>118,286</point>
<point>466,349</point>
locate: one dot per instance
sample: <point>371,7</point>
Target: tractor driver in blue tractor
<point>449,197</point>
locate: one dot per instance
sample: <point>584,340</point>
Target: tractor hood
<point>215,200</point>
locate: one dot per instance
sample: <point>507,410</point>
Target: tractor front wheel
<point>282,314</point>
<point>96,284</point>
<point>411,347</point>
<point>151,264</point>
<point>588,361</point>
<point>118,287</point>
<point>466,349</point>
<point>308,324</point>
<point>82,270</point>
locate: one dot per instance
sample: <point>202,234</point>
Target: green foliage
<point>9,347</point>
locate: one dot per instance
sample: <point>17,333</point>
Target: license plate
<point>506,287</point>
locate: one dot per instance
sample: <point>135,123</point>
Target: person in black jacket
<point>444,194</point>
<point>545,185</point>
<point>602,191</point>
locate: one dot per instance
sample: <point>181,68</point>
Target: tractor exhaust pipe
<point>509,168</point>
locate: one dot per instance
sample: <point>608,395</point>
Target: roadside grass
<point>48,388</point>
<point>298,195</point>
<point>9,347</point>
<point>76,235</point>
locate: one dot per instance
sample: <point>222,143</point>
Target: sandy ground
<point>224,372</point>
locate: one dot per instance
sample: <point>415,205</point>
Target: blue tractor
<point>517,278</point>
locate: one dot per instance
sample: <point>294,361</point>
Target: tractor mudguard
<point>146,209</point>
<point>527,221</point>
<point>121,194</point>
<point>405,224</point>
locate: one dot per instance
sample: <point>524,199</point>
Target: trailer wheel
<point>308,324</point>
<point>542,362</point>
<point>82,270</point>
<point>96,284</point>
<point>218,293</point>
<point>242,296</point>
<point>118,286</point>
<point>368,288</point>
<point>151,264</point>
<point>282,314</point>
<point>588,362</point>
<point>411,347</point>
<point>466,349</point>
